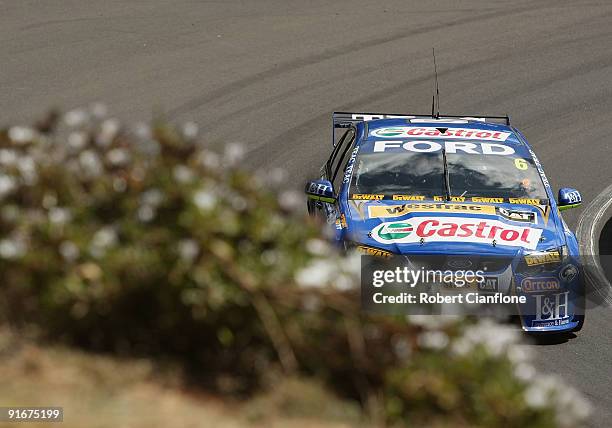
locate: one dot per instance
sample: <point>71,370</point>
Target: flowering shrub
<point>141,241</point>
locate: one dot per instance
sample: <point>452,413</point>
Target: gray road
<point>269,72</point>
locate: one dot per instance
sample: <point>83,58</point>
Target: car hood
<point>407,227</point>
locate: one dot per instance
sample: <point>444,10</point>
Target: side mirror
<point>320,190</point>
<point>568,198</point>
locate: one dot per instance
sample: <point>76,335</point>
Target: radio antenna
<point>435,100</point>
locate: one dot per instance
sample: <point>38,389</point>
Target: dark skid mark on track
<point>555,77</point>
<point>304,88</point>
<point>332,53</point>
<point>370,98</point>
<point>306,126</point>
<point>578,70</point>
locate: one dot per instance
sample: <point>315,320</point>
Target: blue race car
<point>468,189</point>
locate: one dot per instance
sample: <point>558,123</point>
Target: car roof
<point>464,129</point>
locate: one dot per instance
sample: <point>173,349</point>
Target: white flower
<point>461,347</point>
<point>317,274</point>
<point>536,397</point>
<point>76,118</point>
<point>188,249</point>
<point>108,132</point>
<point>291,200</point>
<point>77,140</point>
<point>205,200</point>
<point>209,160</point>
<point>524,371</point>
<point>152,197</point>
<point>59,216</point>
<point>27,169</point>
<point>118,157</point>
<point>496,338</point>
<point>49,201</point>
<point>317,247</point>
<point>433,340</point>
<point>90,163</point>
<point>190,130</point>
<point>352,264</point>
<point>146,213</point>
<point>7,185</point>
<point>233,153</point>
<point>21,134</point>
<point>12,249</point>
<point>518,354</point>
<point>269,257</point>
<point>104,238</point>
<point>119,184</point>
<point>433,322</point>
<point>8,157</point>
<point>183,174</point>
<point>69,251</point>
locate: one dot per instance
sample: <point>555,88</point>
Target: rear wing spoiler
<point>342,119</point>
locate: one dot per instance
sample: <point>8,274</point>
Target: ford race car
<point>467,189</point>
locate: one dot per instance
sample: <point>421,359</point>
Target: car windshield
<point>422,174</point>
<point>399,173</point>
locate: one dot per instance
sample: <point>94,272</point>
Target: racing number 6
<point>520,164</point>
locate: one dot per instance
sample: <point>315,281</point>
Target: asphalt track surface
<point>269,73</point>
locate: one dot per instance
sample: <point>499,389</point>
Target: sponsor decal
<point>459,199</point>
<point>440,132</point>
<point>341,222</point>
<point>525,201</point>
<point>490,283</point>
<point>369,251</point>
<point>457,229</point>
<point>384,211</point>
<point>319,191</point>
<point>539,285</point>
<point>524,216</point>
<point>392,232</point>
<point>488,200</point>
<point>521,164</point>
<point>367,197</point>
<point>349,167</point>
<point>568,273</point>
<point>551,310</point>
<point>540,169</point>
<point>422,146</point>
<point>573,197</point>
<point>543,258</point>
<point>408,198</point>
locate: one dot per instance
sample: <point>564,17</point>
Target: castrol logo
<point>455,229</point>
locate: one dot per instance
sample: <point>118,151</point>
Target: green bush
<point>141,241</point>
